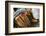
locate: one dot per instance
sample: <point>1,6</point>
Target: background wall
<point>2,18</point>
